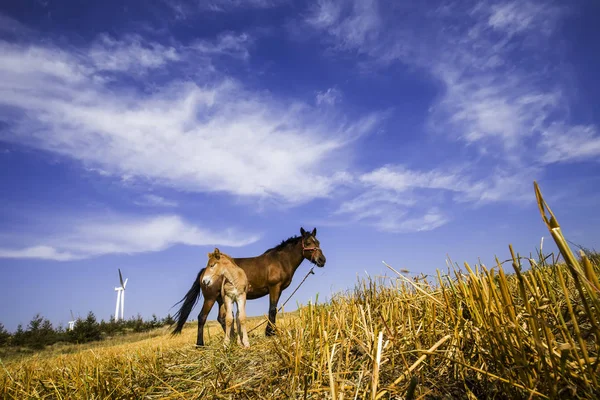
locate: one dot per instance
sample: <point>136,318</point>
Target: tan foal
<point>221,269</point>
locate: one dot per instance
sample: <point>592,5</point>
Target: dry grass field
<point>510,331</point>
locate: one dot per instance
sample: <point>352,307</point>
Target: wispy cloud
<point>62,102</point>
<point>351,24</point>
<point>401,179</point>
<point>428,221</point>
<point>129,53</point>
<point>125,235</point>
<point>183,9</point>
<point>228,5</point>
<point>394,198</point>
<point>234,45</point>
<point>329,97</point>
<point>38,252</point>
<point>515,17</point>
<point>13,27</point>
<point>389,211</point>
<point>512,113</point>
<point>489,99</point>
<point>570,143</point>
<point>155,201</point>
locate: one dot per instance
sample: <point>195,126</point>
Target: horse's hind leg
<point>238,325</point>
<point>206,307</point>
<point>229,325</point>
<point>221,317</point>
<point>242,332</point>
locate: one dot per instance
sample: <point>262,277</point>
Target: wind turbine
<point>72,322</point>
<point>120,297</point>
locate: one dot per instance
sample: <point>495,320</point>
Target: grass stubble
<point>476,332</point>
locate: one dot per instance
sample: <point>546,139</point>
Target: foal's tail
<point>189,301</point>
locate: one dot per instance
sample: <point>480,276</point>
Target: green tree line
<point>40,332</point>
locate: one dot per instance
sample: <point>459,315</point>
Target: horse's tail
<point>189,301</point>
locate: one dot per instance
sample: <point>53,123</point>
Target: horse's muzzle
<point>206,281</point>
<point>320,261</point>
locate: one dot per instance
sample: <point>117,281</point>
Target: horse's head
<point>311,249</point>
<point>214,267</point>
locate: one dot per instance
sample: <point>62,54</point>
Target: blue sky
<point>140,135</point>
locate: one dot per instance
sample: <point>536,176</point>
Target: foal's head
<point>311,249</point>
<point>215,268</point>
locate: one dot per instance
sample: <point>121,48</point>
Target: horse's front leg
<point>274,295</point>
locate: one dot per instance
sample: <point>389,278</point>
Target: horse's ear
<point>314,232</point>
<point>217,253</point>
<point>302,231</point>
<point>210,254</point>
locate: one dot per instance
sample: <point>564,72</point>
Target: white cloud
<point>328,97</point>
<point>392,212</point>
<point>351,23</point>
<point>184,9</point>
<point>184,134</point>
<point>428,221</point>
<point>126,235</point>
<point>519,16</point>
<point>394,198</point>
<point>401,179</point>
<point>566,144</point>
<point>228,5</point>
<point>155,200</point>
<point>481,109</point>
<point>39,252</point>
<point>131,53</point>
<point>226,44</point>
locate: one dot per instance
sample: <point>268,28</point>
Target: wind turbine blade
<point>125,284</point>
<point>120,277</point>
<point>72,317</point>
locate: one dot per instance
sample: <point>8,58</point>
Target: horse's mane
<point>224,255</point>
<point>284,243</point>
<point>228,257</point>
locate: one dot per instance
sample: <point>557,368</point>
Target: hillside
<point>389,337</point>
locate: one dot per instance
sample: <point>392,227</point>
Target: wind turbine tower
<point>120,297</point>
<point>72,322</point>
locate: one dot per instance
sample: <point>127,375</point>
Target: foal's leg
<point>274,295</point>
<point>237,323</point>
<point>228,319</point>
<point>206,307</point>
<point>232,328</point>
<point>241,320</point>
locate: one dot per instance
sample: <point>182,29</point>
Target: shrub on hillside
<point>4,335</point>
<point>40,332</point>
<point>86,330</point>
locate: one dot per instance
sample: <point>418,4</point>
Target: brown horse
<point>233,290</point>
<point>270,273</point>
